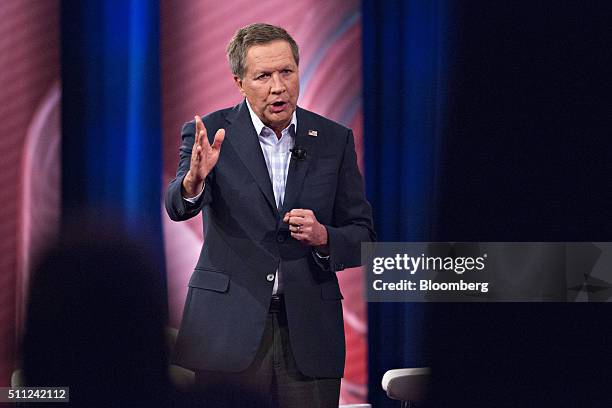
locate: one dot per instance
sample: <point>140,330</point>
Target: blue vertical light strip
<point>404,68</point>
<point>143,110</point>
<point>116,54</point>
<point>418,127</point>
<point>111,116</point>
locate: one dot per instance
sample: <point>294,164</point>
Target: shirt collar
<point>259,125</point>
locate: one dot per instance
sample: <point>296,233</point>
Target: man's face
<point>271,83</point>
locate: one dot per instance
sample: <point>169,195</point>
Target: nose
<point>278,86</point>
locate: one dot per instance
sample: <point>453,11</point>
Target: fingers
<point>304,227</point>
<point>299,217</point>
<point>219,137</point>
<point>199,126</point>
<point>302,236</point>
<point>297,224</point>
<point>300,224</point>
<point>197,148</point>
<point>300,229</point>
<point>201,138</point>
<point>204,156</point>
<point>300,212</point>
<point>301,221</point>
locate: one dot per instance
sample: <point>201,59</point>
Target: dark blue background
<point>490,121</point>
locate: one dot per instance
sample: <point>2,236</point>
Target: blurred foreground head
<point>95,321</point>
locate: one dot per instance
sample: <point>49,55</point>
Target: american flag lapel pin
<point>313,133</point>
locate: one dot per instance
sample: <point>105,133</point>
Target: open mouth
<point>278,106</point>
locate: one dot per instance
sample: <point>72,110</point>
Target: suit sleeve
<point>179,209</point>
<point>352,216</point>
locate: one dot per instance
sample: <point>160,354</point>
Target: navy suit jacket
<point>245,240</point>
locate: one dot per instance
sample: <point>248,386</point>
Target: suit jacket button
<point>280,238</point>
<point>270,277</point>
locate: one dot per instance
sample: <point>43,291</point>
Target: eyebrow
<point>267,71</point>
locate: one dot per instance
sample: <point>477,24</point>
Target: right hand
<point>204,157</point>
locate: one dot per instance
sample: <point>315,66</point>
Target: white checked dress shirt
<point>277,153</point>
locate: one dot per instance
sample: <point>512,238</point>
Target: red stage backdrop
<point>29,148</point>
<point>196,79</point>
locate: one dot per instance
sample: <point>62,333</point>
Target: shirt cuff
<point>193,200</point>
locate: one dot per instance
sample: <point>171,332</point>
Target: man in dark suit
<point>284,210</point>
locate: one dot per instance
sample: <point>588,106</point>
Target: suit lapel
<point>241,134</point>
<point>298,168</point>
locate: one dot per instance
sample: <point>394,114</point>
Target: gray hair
<point>255,34</point>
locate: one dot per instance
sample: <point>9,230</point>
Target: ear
<point>238,82</point>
